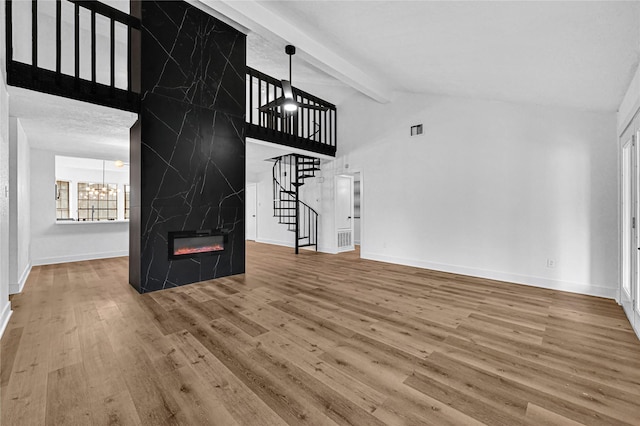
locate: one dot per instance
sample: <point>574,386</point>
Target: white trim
<point>274,242</point>
<point>15,288</point>
<point>635,324</point>
<point>4,317</point>
<point>321,249</point>
<point>89,222</point>
<point>327,249</point>
<point>572,287</point>
<point>79,257</point>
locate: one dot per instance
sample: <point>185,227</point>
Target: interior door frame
<point>353,172</point>
<point>255,201</point>
<point>628,223</point>
<point>352,246</point>
<point>634,318</point>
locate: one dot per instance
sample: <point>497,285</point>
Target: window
<point>97,201</point>
<point>62,199</point>
<point>127,201</point>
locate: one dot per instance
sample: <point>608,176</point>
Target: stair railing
<point>48,71</point>
<point>288,175</point>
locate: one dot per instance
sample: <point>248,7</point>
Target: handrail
<point>109,12</point>
<point>33,76</point>
<point>309,129</point>
<point>304,222</point>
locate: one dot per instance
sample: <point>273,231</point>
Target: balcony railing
<point>83,50</point>
<point>77,49</point>
<point>308,129</point>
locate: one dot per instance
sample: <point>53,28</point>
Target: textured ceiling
<point>71,127</point>
<point>573,54</point>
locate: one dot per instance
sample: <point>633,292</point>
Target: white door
<point>629,226</point>
<point>344,212</point>
<point>251,211</point>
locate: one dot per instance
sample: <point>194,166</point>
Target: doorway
<point>344,213</point>
<point>251,211</point>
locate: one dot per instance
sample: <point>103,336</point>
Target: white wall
<point>268,230</point>
<point>490,189</point>
<point>53,242</point>
<point>630,103</point>
<point>5,305</point>
<point>19,207</point>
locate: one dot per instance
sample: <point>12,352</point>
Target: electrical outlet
<point>551,263</point>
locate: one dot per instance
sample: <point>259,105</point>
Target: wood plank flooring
<point>313,340</point>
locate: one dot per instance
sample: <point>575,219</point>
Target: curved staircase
<point>289,174</point>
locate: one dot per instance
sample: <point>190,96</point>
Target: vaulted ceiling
<point>571,54</point>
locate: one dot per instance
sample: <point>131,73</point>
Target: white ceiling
<point>572,54</point>
<point>66,126</point>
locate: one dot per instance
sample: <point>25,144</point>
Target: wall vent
<point>344,239</point>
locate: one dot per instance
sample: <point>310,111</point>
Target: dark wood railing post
<point>112,52</point>
<point>58,38</point>
<point>34,33</point>
<point>93,47</point>
<point>76,35</point>
<point>9,26</point>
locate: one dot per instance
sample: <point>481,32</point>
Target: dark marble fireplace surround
<point>188,146</point>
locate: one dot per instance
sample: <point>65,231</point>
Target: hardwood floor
<point>313,340</point>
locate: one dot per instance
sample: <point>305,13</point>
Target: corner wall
<point>491,189</point>
<point>54,242</point>
<point>5,305</point>
<point>19,207</point>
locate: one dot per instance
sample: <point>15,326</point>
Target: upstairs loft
<point>89,51</point>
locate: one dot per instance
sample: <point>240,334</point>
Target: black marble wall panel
<point>191,143</point>
<point>197,59</point>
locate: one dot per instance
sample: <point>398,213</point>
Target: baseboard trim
<point>321,249</point>
<point>327,250</point>
<point>4,317</point>
<point>15,288</point>
<point>551,284</point>
<point>274,242</point>
<point>79,257</point>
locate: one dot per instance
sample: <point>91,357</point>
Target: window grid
<point>97,201</point>
<point>127,201</point>
<point>62,199</point>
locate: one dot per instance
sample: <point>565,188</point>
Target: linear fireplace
<point>190,244</point>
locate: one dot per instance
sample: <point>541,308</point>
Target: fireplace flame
<point>201,249</point>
